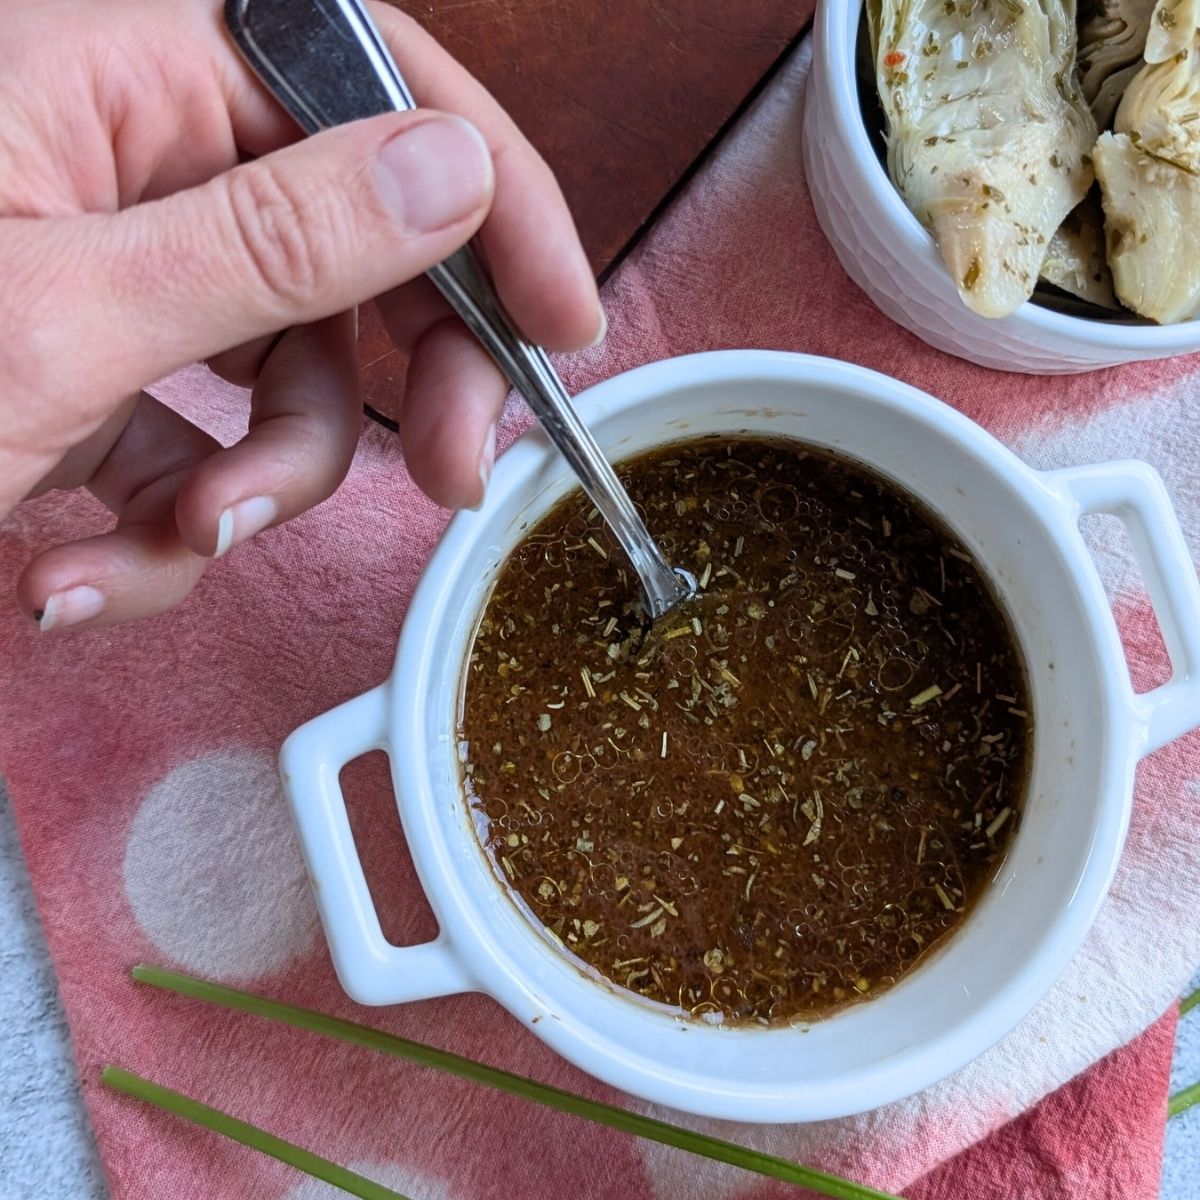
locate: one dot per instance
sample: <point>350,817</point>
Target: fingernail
<point>71,607</point>
<point>243,520</point>
<point>487,460</point>
<point>603,330</point>
<point>434,174</point>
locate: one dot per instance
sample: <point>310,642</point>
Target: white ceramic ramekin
<point>891,256</point>
<point>1090,731</point>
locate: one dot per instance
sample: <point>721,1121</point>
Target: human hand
<point>132,243</point>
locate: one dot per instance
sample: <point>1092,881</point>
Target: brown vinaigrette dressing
<point>779,799</point>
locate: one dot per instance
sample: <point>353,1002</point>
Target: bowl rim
<point>835,37</point>
<point>503,972</point>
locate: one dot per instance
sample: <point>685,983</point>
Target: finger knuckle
<point>315,460</point>
<point>30,360</point>
<point>281,238</point>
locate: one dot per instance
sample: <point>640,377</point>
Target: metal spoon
<point>326,63</point>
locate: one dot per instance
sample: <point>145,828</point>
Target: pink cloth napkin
<point>141,765</point>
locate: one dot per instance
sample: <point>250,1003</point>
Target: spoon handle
<point>325,61</point>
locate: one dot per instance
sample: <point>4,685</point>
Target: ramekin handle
<point>1134,492</point>
<point>370,968</point>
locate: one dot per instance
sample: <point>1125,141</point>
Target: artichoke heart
<point>1075,256</point>
<point>1149,173</point>
<point>1112,36</point>
<point>988,132</point>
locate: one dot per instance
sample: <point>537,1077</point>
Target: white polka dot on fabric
<point>213,870</point>
<point>404,1180</point>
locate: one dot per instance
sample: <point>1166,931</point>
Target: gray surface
<point>1181,1163</point>
<point>46,1145</point>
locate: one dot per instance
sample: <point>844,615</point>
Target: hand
<point>132,243</point>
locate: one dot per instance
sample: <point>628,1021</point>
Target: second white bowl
<point>892,257</point>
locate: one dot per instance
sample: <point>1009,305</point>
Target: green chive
<point>1182,1101</point>
<point>515,1085</point>
<point>248,1135</point>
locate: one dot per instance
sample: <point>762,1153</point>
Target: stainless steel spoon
<point>325,61</point>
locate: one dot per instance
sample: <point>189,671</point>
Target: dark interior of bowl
<point>1045,294</point>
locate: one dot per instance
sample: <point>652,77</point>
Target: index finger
<point>529,237</point>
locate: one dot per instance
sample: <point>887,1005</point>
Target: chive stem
<point>1189,1002</point>
<point>701,1144</point>
<point>247,1134</point>
<point>1182,1101</point>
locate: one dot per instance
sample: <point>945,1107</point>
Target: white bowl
<point>1090,730</point>
<point>892,257</point>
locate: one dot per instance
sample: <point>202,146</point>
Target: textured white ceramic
<point>889,254</point>
<point>1090,731</point>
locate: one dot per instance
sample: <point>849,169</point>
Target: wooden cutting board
<point>620,97</point>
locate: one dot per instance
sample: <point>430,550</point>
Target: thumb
<point>120,300</point>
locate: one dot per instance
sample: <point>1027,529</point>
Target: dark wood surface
<point>620,97</point>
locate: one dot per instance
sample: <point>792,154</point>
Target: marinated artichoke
<point>1109,94</point>
<point>1172,30</point>
<point>1112,36</point>
<point>988,133</point>
<point>1075,259</point>
<point>1149,172</point>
